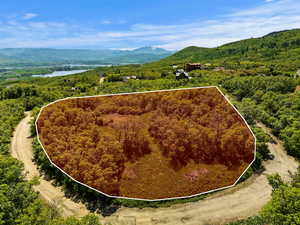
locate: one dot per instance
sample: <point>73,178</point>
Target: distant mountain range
<point>48,56</point>
<point>280,48</point>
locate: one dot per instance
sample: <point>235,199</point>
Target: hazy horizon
<point>89,48</point>
<point>171,25</point>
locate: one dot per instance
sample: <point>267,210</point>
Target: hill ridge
<point>280,47</point>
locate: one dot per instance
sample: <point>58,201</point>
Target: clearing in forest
<point>150,145</point>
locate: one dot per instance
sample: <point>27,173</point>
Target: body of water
<point>88,65</point>
<point>59,73</point>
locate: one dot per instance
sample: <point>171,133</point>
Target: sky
<point>121,24</point>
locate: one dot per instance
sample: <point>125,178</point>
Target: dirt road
<point>22,150</point>
<point>101,80</point>
<point>246,199</point>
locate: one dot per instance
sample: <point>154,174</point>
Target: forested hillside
<point>279,49</point>
<point>191,136</point>
<point>268,95</point>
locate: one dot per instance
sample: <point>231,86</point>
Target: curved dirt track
<point>244,200</point>
<point>22,150</point>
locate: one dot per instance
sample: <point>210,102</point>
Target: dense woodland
<point>261,94</point>
<point>92,139</point>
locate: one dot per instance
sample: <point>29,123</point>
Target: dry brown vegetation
<point>149,145</point>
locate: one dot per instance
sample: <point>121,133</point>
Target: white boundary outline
<point>132,93</point>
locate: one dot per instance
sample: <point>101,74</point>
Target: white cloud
<point>109,22</point>
<point>253,22</point>
<point>28,16</point>
<point>106,22</point>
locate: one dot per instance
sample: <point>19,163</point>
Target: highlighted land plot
<point>150,145</point>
